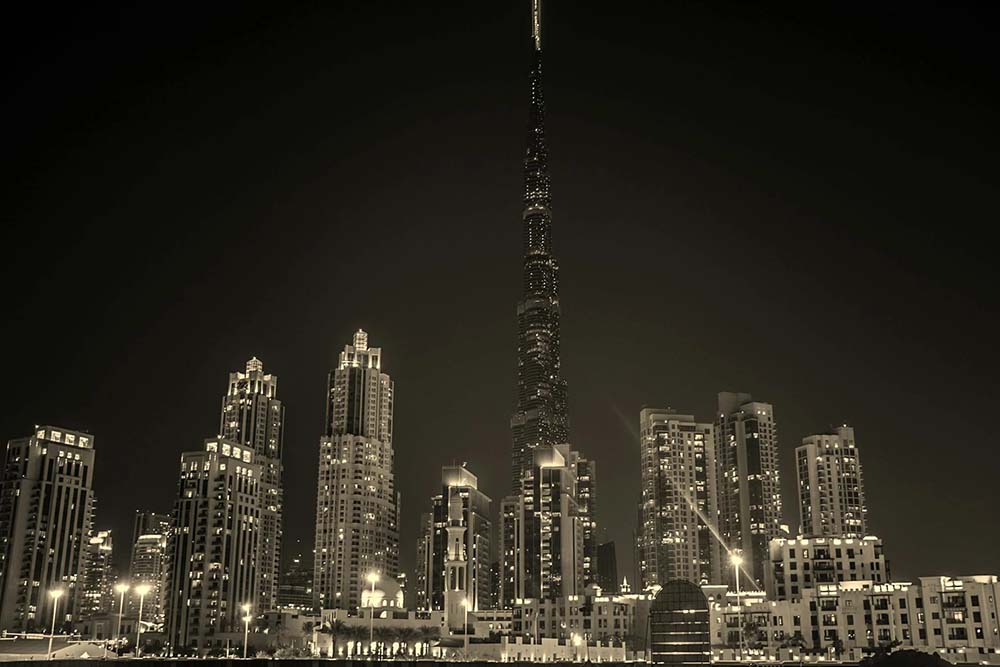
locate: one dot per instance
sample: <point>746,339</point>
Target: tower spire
<point>541,416</point>
<point>536,23</point>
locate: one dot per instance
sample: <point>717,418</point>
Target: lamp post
<point>465,625</point>
<point>576,647</point>
<point>372,579</point>
<point>737,560</point>
<point>121,589</point>
<point>55,594</point>
<point>246,628</point>
<point>141,589</point>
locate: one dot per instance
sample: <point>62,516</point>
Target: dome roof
<point>387,593</point>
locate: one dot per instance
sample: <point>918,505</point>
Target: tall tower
<point>458,485</point>
<point>456,573</point>
<point>677,511</point>
<point>98,576</point>
<point>541,417</point>
<point>542,532</point>
<point>46,513</point>
<point>357,508</point>
<point>746,450</point>
<point>831,487</point>
<point>253,416</point>
<point>213,549</point>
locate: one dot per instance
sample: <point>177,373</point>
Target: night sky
<point>792,200</point>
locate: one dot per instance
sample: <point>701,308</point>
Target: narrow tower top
<point>536,23</point>
<point>255,364</point>
<point>360,340</point>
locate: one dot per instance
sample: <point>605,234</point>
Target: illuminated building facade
<point>797,565</point>
<point>147,563</point>
<point>956,617</point>
<point>213,549</point>
<point>678,508</point>
<point>542,534</point>
<point>46,513</point>
<point>357,507</point>
<point>541,417</point>
<point>98,575</point>
<point>147,569</point>
<point>831,487</point>
<point>458,486</point>
<point>253,416</point>
<point>746,451</point>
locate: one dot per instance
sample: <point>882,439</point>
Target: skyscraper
<point>542,532</point>
<point>458,485</point>
<point>147,569</point>
<point>541,417</point>
<point>214,546</point>
<point>357,508</point>
<point>677,510</point>
<point>831,487</point>
<point>46,514</point>
<point>147,563</point>
<point>98,576</point>
<point>746,450</point>
<point>253,416</point>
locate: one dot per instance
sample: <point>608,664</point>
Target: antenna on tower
<point>536,23</point>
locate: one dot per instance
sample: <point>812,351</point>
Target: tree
<point>905,658</point>
<point>406,637</point>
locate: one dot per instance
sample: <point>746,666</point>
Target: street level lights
<point>141,589</point>
<point>465,625</point>
<point>246,628</point>
<point>55,594</point>
<point>372,579</point>
<point>576,646</point>
<point>737,560</point>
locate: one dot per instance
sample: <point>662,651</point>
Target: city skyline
<point>830,348</point>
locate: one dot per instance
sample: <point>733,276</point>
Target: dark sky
<point>793,200</point>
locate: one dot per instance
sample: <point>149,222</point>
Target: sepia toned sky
<point>790,200</point>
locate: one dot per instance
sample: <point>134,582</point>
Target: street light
<point>737,560</point>
<point>141,589</point>
<point>122,589</point>
<point>372,579</point>
<point>55,594</point>
<point>465,606</point>
<point>246,628</point>
<point>576,646</point>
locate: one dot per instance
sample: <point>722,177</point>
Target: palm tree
<point>429,632</point>
<point>406,635</point>
<point>385,636</point>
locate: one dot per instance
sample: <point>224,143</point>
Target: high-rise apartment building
<point>147,562</point>
<point>831,487</point>
<point>678,507</point>
<point>746,450</point>
<point>147,570</point>
<point>214,546</point>
<point>542,416</point>
<point>150,523</point>
<point>46,513</point>
<point>422,579</point>
<point>98,575</point>
<point>458,485</point>
<point>253,416</point>
<point>357,507</point>
<point>607,567</point>
<point>542,530</point>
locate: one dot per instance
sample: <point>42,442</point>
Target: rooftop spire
<point>536,23</point>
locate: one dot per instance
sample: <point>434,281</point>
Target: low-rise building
<point>592,616</point>
<point>801,564</point>
<point>956,617</point>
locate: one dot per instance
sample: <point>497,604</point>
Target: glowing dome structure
<point>386,593</point>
